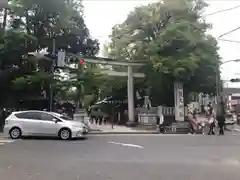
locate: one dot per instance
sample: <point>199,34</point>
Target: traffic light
<point>235,80</point>
<point>81,61</point>
<point>44,93</point>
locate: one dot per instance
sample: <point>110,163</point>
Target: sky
<point>102,15</point>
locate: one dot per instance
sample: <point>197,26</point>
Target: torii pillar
<point>130,90</point>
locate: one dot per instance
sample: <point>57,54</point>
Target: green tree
<point>33,26</point>
<point>54,19</point>
<point>85,81</point>
<point>170,36</point>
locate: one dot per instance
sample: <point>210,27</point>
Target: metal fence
<point>170,111</point>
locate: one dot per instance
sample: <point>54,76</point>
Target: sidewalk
<point>107,129</point>
<point>234,127</point>
<point>176,128</point>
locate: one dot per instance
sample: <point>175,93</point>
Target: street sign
<point>3,3</point>
<point>179,101</point>
<point>234,102</point>
<point>61,58</point>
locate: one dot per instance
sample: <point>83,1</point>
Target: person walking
<point>193,125</point>
<point>221,119</point>
<point>160,121</point>
<point>211,119</point>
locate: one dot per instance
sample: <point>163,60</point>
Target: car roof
<point>18,112</point>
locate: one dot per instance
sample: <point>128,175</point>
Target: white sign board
<point>61,59</point>
<point>3,3</point>
<point>179,101</point>
<point>235,102</point>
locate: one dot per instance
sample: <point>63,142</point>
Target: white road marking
<point>230,161</point>
<point>128,145</point>
<point>5,141</point>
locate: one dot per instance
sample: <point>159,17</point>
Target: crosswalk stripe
<point>6,141</point>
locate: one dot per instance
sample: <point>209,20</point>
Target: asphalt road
<point>123,157</point>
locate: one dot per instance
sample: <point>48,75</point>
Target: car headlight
<point>79,127</point>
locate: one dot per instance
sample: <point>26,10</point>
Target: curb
<point>106,132</point>
<point>150,132</point>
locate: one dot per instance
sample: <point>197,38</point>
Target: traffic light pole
<point>52,72</point>
<point>218,89</point>
<point>80,89</point>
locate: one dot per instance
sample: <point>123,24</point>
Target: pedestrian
<point>221,119</point>
<point>104,120</point>
<point>100,119</point>
<point>211,119</point>
<point>192,122</point>
<point>160,121</point>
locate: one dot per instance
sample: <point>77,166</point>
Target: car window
<point>47,117</point>
<point>29,115</point>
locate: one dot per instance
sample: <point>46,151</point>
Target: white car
<point>42,123</point>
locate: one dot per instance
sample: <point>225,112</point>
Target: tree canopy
<point>170,36</point>
<point>33,26</point>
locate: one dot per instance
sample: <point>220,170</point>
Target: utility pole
<point>52,72</point>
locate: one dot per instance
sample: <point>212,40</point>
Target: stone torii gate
<point>129,74</point>
<point>178,87</point>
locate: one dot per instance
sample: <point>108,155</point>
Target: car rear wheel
<point>65,134</point>
<point>15,133</point>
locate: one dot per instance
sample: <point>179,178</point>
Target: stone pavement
<point>234,127</point>
<point>176,128</point>
<point>116,129</point>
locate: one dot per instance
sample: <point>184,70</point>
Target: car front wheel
<point>65,134</point>
<point>15,133</point>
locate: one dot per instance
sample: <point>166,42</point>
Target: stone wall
<point>148,116</point>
